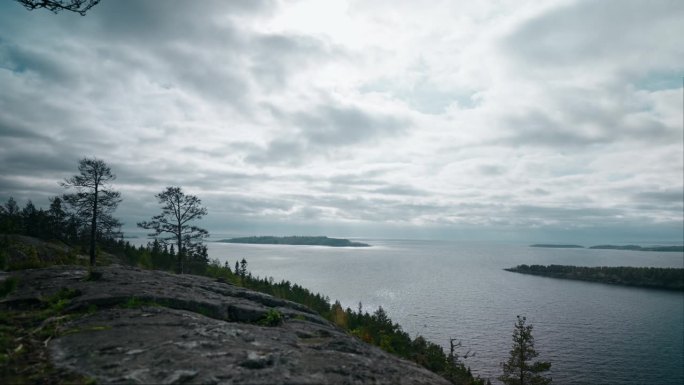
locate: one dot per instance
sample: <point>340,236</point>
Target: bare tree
<point>78,6</point>
<point>173,224</point>
<point>94,201</point>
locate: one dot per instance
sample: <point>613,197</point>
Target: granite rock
<point>156,327</point>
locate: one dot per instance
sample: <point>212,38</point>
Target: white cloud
<point>502,114</point>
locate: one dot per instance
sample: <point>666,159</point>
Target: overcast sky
<point>525,120</point>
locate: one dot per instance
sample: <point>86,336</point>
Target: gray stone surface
<point>205,332</point>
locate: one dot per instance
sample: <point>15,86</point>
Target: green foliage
<point>520,369</point>
<point>136,303</point>
<point>377,328</point>
<point>93,202</point>
<point>7,286</point>
<point>651,277</point>
<point>4,258</point>
<point>24,333</point>
<point>58,301</point>
<point>174,224</point>
<point>273,318</point>
<point>65,293</point>
<point>676,249</point>
<point>27,258</point>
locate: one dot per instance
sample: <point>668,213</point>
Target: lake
<point>590,332</point>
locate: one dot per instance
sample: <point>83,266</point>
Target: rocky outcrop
<point>139,326</point>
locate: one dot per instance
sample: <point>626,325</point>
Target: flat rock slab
<point>204,332</point>
<point>120,284</point>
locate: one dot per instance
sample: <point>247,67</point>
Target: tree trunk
<point>522,364</point>
<point>179,268</point>
<point>93,231</point>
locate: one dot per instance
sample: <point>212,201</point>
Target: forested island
<point>640,248</point>
<point>649,277</point>
<point>297,240</point>
<point>613,247</point>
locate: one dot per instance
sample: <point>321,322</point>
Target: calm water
<point>592,333</point>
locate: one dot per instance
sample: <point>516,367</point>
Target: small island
<point>639,248</point>
<point>649,277</point>
<point>553,246</point>
<point>613,247</point>
<point>297,240</point>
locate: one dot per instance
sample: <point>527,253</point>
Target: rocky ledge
<point>140,326</point>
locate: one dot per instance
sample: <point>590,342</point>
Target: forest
<point>649,277</point>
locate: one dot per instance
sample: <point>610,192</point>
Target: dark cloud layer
<point>325,129</point>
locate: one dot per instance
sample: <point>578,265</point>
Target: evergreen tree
<point>519,369</point>
<point>29,216</point>
<point>10,217</point>
<point>57,219</point>
<point>243,268</point>
<point>94,201</point>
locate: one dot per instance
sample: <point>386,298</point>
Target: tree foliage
<point>173,225</point>
<point>520,369</point>
<point>11,221</point>
<point>651,277</point>
<point>94,201</point>
<point>78,6</point>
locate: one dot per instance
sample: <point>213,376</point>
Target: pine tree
<point>57,219</point>
<point>10,217</point>
<point>174,223</point>
<point>519,369</point>
<point>94,201</point>
<point>28,216</point>
<point>243,268</point>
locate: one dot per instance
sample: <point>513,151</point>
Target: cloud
<point>386,115</point>
<point>276,58</point>
<point>611,35</point>
<point>664,196</point>
<point>324,129</point>
<point>279,151</point>
<point>334,126</point>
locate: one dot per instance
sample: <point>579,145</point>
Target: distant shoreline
<point>552,246</point>
<point>614,247</point>
<point>648,277</point>
<point>296,240</point>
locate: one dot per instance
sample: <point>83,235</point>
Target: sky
<point>466,120</point>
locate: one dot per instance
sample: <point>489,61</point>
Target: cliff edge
<point>141,326</point>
